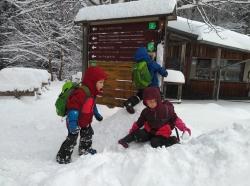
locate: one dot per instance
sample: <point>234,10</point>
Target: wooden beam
<point>183,57</point>
<point>165,50</point>
<point>217,75</point>
<point>85,28</point>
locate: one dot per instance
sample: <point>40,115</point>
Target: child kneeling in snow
<point>80,111</point>
<point>157,120</point>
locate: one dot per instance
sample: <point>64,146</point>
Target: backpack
<point>141,75</point>
<point>67,89</point>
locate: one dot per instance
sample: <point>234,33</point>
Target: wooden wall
<point>201,89</point>
<point>118,87</point>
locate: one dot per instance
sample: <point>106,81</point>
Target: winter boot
<point>86,141</point>
<point>64,154</point>
<point>130,103</point>
<point>87,151</point>
<point>126,140</point>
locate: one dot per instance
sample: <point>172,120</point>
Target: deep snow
<point>217,154</point>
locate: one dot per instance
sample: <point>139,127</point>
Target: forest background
<point>42,33</point>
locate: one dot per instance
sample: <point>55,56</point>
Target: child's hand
<point>98,117</point>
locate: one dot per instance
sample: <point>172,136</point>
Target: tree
<point>40,32</point>
<point>231,14</point>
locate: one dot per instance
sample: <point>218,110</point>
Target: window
<point>201,69</point>
<point>204,69</point>
<point>232,72</point>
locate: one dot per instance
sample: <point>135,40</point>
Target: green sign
<point>92,63</point>
<point>152,25</point>
<point>151,46</point>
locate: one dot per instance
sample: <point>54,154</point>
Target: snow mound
<point>220,157</point>
<point>22,79</point>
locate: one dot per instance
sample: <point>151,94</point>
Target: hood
<point>91,76</point>
<point>152,93</point>
<point>142,54</point>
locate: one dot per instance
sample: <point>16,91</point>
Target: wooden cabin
<point>200,52</point>
<point>111,35</point>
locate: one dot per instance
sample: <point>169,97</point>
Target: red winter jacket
<point>159,120</point>
<point>78,99</point>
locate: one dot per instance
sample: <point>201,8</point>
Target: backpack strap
<point>86,90</point>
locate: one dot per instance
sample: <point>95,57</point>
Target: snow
<point>218,153</point>
<point>126,10</point>
<point>175,76</point>
<point>218,36</point>
<point>19,78</point>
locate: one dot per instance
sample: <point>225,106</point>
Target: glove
<point>97,115</point>
<point>133,128</point>
<point>72,121</point>
<point>181,126</point>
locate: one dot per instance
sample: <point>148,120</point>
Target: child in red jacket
<point>80,111</point>
<point>157,120</point>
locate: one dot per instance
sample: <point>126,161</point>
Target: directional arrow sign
<point>93,38</point>
<point>93,47</point>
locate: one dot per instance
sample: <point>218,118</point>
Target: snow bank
<point>220,157</point>
<point>22,79</point>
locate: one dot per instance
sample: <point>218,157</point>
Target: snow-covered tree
<point>231,14</point>
<point>42,34</point>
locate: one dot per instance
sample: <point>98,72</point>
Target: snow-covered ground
<point>218,153</point>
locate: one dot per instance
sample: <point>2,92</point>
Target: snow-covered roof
<point>175,76</point>
<point>220,37</point>
<point>126,10</point>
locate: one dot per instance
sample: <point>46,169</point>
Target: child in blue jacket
<point>154,68</point>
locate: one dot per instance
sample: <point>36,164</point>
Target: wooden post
<point>183,57</point>
<point>217,76</point>
<point>165,50</point>
<point>179,94</point>
<point>85,29</point>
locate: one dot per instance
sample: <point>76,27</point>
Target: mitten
<point>97,115</point>
<point>133,128</point>
<point>72,121</point>
<point>181,126</point>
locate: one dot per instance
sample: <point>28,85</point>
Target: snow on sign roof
<point>175,76</point>
<point>223,37</point>
<point>126,10</point>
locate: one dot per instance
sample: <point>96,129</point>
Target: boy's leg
<point>132,101</point>
<point>86,141</point>
<point>64,154</point>
<point>138,136</point>
<point>159,141</point>
<point>142,135</point>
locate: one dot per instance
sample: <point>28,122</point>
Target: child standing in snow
<point>154,68</point>
<point>157,120</point>
<point>80,111</point>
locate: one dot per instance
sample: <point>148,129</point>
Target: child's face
<point>152,103</point>
<point>99,85</point>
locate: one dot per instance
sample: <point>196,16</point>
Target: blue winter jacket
<point>141,54</point>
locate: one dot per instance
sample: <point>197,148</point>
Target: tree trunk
<point>50,65</point>
<point>61,65</point>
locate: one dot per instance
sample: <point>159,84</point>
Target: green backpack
<point>67,89</point>
<point>141,75</point>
